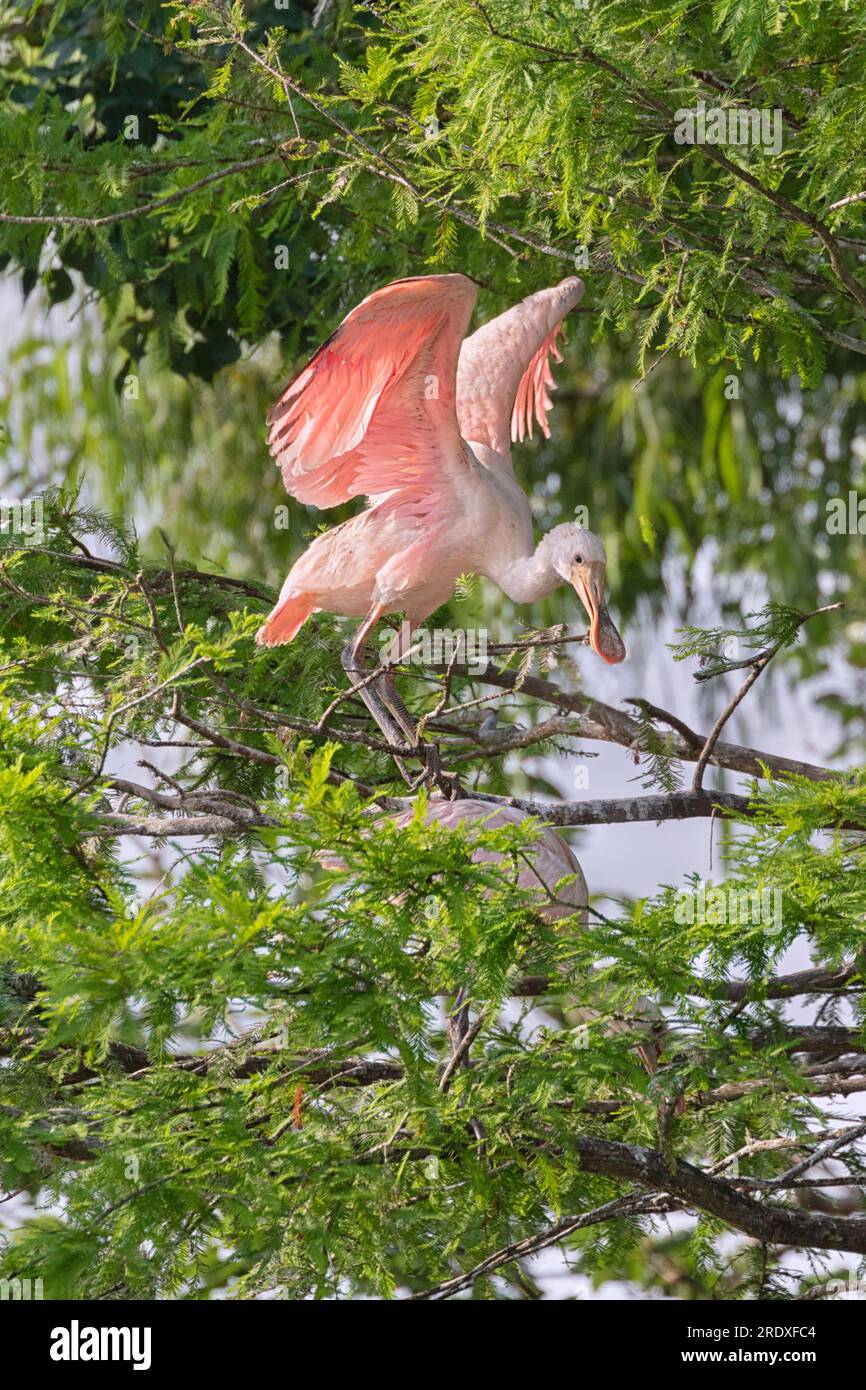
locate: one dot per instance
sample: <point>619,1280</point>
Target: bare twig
<point>759,663</point>
<point>467,1036</point>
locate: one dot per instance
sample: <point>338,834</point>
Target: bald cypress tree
<point>230,1059</point>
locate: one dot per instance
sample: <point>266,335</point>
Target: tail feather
<point>286,620</point>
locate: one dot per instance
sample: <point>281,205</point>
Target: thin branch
<point>844,202</point>
<point>723,667</point>
<point>713,736</point>
<point>461,1050</point>
<point>824,1151</point>
<point>632,1204</point>
<point>759,663</point>
<point>67,220</point>
<point>610,725</point>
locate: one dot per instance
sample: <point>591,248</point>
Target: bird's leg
<point>458,1023</point>
<point>395,726</point>
<point>447,782</point>
<point>391,698</point>
<point>355,666</point>
<point>387,689</point>
<point>386,685</point>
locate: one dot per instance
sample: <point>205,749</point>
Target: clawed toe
<point>435,774</point>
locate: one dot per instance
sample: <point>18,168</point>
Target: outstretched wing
<point>374,410</point>
<point>504,369</point>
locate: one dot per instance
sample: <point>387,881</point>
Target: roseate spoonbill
<point>548,861</point>
<point>384,410</point>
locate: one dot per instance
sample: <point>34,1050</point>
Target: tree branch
<point>610,725</point>
<point>613,811</point>
<point>773,1225</point>
<point>67,220</point>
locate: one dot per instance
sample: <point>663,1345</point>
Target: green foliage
<point>558,121</point>
<point>225,1057</point>
<point>309,204</point>
<point>777,626</point>
<point>231,1076</point>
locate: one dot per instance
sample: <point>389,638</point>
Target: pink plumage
<point>374,409</point>
<point>549,860</point>
<point>533,402</point>
<point>504,369</point>
<point>552,873</point>
<point>398,408</point>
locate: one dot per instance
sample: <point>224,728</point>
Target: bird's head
<point>579,557</point>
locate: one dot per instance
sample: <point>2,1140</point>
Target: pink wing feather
<point>532,401</point>
<point>504,371</point>
<point>374,411</point>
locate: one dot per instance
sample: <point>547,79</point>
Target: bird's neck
<point>526,578</point>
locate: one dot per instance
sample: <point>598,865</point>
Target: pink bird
<point>548,861</point>
<point>398,408</point>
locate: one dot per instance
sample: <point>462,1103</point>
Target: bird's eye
<point>578,559</point>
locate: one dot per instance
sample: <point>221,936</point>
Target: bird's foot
<point>433,772</point>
